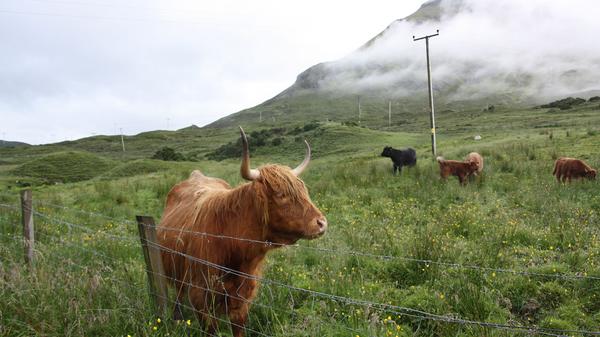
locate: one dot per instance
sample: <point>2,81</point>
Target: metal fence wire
<point>267,282</point>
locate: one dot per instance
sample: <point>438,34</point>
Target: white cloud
<point>71,68</point>
<point>545,48</point>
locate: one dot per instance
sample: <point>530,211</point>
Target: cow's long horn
<point>298,170</point>
<point>245,170</point>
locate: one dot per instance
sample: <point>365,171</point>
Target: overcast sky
<point>74,68</point>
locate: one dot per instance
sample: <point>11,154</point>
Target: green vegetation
<point>91,280</point>
<point>143,166</point>
<point>168,154</point>
<point>565,104</point>
<point>272,137</point>
<point>64,167</point>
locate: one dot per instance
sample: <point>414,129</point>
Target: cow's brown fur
<point>476,158</point>
<point>565,169</point>
<point>274,208</point>
<point>456,168</point>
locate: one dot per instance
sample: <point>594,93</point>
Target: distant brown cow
<point>456,168</point>
<point>217,273</point>
<point>568,168</point>
<point>476,158</point>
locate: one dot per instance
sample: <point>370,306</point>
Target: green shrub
<point>564,104</point>
<point>259,138</point>
<point>277,141</point>
<point>168,154</point>
<point>310,126</point>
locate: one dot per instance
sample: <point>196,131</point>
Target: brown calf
<point>456,168</point>
<point>568,168</point>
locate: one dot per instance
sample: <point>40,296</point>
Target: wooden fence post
<point>27,219</point>
<point>154,267</point>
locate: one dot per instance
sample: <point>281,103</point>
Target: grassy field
<point>89,277</point>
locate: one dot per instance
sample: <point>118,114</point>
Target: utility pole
<point>390,113</point>
<point>432,117</point>
<point>359,110</point>
<point>122,140</point>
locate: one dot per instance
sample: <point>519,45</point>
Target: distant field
<point>389,239</point>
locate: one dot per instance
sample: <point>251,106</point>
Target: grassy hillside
<point>7,143</point>
<point>90,274</point>
<point>64,167</point>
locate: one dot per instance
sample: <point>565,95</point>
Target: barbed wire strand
<point>427,315</point>
<point>211,316</point>
<point>336,297</point>
<point>55,239</point>
<point>83,228</point>
<point>577,276</point>
<point>254,303</point>
<point>384,257</point>
<point>72,244</point>
<point>397,309</point>
<point>86,212</point>
<point>125,283</point>
<point>17,208</point>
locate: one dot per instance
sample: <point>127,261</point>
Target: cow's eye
<point>278,195</point>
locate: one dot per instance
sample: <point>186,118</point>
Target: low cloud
<point>535,49</point>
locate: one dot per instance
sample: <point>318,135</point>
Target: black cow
<point>406,157</point>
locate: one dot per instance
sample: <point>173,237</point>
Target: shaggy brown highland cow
<point>456,168</point>
<point>566,169</point>
<point>203,216</point>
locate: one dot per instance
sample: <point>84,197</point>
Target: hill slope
<point>64,167</point>
<point>469,70</point>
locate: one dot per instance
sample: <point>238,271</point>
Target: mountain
<point>481,57</point>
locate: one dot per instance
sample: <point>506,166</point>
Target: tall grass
<point>515,216</point>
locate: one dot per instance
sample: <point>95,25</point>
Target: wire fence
<point>339,252</point>
<point>267,282</point>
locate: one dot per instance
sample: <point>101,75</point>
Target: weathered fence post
<point>154,268</point>
<point>27,219</point>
